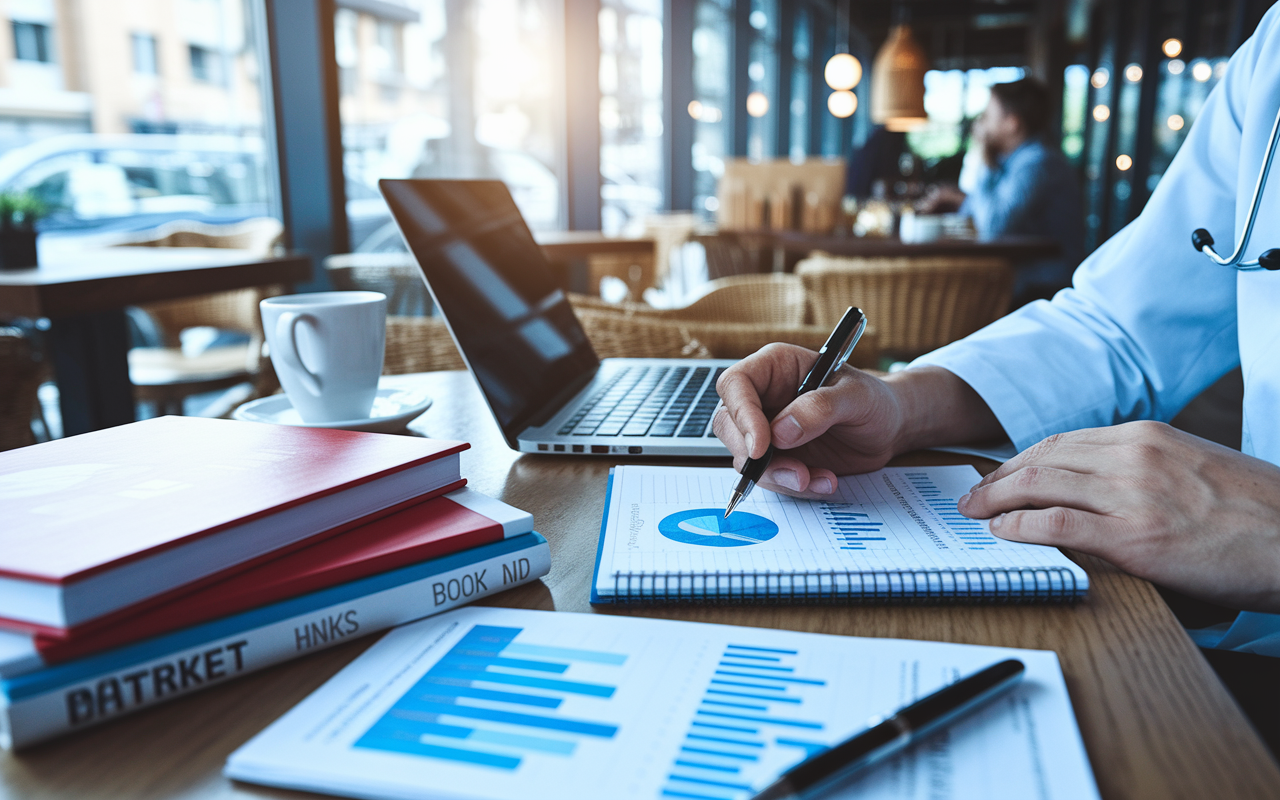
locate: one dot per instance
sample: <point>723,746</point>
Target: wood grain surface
<point>1155,720</point>
<point>85,281</point>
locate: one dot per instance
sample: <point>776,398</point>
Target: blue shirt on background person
<point>1032,192</point>
<point>1022,187</point>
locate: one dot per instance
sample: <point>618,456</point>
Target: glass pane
<point>762,77</point>
<point>431,89</point>
<point>801,74</point>
<point>158,114</point>
<point>711,38</point>
<point>630,113</point>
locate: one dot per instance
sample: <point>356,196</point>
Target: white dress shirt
<point>1149,323</point>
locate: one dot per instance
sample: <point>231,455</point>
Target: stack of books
<point>143,562</point>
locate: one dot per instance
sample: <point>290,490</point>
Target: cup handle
<point>287,342</point>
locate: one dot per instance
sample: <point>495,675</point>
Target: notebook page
<point>664,521</point>
<point>491,704</point>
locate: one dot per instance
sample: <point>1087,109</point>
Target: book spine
<point>1032,585</point>
<point>90,700</point>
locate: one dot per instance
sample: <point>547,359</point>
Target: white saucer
<point>393,409</point>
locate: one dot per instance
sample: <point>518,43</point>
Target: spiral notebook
<point>887,536</point>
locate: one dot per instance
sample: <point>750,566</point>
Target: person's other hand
<point>1159,503</point>
<point>848,426</point>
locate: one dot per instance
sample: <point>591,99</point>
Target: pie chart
<point>707,527</point>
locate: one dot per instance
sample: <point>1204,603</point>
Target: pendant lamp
<point>897,82</point>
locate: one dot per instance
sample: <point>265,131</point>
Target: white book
<point>886,536</point>
<point>68,697</point>
<point>491,704</point>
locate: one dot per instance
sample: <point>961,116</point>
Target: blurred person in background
<point>1024,187</point>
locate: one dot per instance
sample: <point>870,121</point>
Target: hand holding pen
<point>738,391</point>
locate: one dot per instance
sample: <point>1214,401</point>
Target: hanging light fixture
<point>842,104</point>
<point>843,71</point>
<point>897,82</point>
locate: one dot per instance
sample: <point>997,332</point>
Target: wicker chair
<point>762,299</point>
<point>729,254</point>
<point>166,376</point>
<point>916,304</point>
<point>20,377</point>
<point>163,374</point>
<point>394,274</point>
<point>419,344</point>
<point>720,339</point>
<point>615,335</point>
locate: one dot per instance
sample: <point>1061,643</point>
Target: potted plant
<point>19,212</point>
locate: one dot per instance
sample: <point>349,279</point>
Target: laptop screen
<point>507,312</point>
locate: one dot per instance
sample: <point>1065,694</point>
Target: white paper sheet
<point>598,707</point>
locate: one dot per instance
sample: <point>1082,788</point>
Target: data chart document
<point>886,536</point>
<point>495,704</point>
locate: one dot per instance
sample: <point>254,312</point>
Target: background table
<point>84,292</point>
<point>1156,722</point>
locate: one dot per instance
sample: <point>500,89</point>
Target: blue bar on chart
<point>851,528</point>
<point>972,533</point>
<point>435,719</point>
<point>753,704</point>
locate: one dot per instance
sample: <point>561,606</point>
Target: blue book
<point>60,699</point>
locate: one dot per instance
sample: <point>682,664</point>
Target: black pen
<point>831,357</point>
<point>823,771</point>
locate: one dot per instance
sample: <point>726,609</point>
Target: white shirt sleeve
<point>1149,322</point>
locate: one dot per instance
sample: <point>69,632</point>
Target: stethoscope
<point>1269,260</point>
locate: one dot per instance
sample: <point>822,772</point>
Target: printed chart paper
<point>491,704</point>
<point>665,532</point>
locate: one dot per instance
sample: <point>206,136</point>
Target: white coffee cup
<point>327,351</point>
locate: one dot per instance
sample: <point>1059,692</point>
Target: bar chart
<point>491,702</point>
<point>972,533</point>
<point>853,529</point>
<point>754,703</point>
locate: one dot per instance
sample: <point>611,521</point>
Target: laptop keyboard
<point>638,402</point>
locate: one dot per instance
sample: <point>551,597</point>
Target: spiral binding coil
<point>1040,585</point>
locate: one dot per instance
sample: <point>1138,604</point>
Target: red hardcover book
<point>458,521</point>
<point>96,523</point>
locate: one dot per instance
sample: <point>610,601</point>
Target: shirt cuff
<point>1019,419</point>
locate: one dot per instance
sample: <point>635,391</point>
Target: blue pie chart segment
<point>708,527</point>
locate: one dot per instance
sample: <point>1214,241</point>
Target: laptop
<point>544,384</point>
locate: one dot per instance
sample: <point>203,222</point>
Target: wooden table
<point>84,292</point>
<point>1156,722</point>
<point>633,259</point>
<point>791,246</point>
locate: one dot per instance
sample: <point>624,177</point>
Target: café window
<point>32,42</point>
<point>106,160</point>
<point>206,65</point>
<point>406,112</point>
<point>145,61</point>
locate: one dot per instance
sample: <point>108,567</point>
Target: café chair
<point>729,253</point>
<point>719,337</point>
<point>20,377</point>
<point>916,304</point>
<point>774,299</point>
<point>394,274</point>
<point>419,344</point>
<point>162,373</point>
<point>615,335</point>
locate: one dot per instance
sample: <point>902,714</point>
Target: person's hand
<point>940,198</point>
<point>1159,503</point>
<point>850,425</point>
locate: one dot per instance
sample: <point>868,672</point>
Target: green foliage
<point>20,210</point>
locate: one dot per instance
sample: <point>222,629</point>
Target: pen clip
<point>847,351</point>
